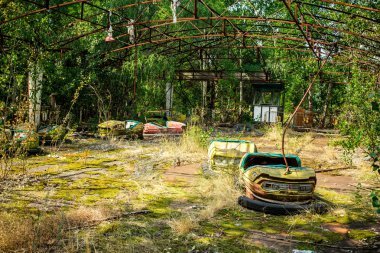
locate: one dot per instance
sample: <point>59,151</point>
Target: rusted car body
<point>171,128</point>
<point>270,189</point>
<point>121,129</point>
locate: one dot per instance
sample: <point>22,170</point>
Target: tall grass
<point>273,132</point>
<point>195,139</point>
<point>25,234</point>
<point>295,143</point>
<point>191,147</point>
<point>220,192</point>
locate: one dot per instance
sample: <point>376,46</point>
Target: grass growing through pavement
<point>66,199</point>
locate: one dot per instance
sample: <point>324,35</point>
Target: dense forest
<point>210,65</point>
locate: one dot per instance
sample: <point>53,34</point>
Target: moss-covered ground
<point>117,196</point>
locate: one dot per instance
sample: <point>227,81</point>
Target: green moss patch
<point>357,234</point>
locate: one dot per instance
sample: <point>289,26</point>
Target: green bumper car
<point>21,139</point>
<point>52,134</point>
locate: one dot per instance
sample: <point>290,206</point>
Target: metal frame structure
<point>312,28</point>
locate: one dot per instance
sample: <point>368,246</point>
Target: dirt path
<point>185,173</point>
<point>191,172</point>
<point>336,183</point>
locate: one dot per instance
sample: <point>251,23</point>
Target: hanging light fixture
<point>109,37</point>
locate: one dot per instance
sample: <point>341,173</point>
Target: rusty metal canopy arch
<point>312,28</point>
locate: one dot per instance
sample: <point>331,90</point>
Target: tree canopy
<point>153,40</point>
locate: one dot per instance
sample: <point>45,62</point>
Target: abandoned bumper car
<point>226,154</point>
<point>132,129</point>
<point>121,129</point>
<point>271,189</point>
<point>170,128</point>
<point>52,134</point>
<point>20,139</point>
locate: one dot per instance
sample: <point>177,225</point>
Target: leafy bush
<point>360,120</point>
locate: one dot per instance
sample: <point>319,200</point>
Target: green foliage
<point>375,201</point>
<point>360,120</point>
<point>198,135</point>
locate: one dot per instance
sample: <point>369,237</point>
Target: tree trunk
<point>326,105</point>
<point>211,104</point>
<point>310,107</point>
<point>169,99</point>
<point>80,115</point>
<point>35,76</point>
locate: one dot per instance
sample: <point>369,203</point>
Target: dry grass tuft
<point>85,215</point>
<point>148,186</point>
<point>274,132</point>
<point>15,233</point>
<point>184,225</point>
<point>25,234</point>
<point>190,148</point>
<point>28,235</point>
<point>219,192</point>
<point>297,144</point>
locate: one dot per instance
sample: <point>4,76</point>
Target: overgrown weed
<point>218,193</point>
<point>191,147</point>
<point>195,140</point>
<point>295,143</point>
<point>184,225</point>
<point>27,234</point>
<point>273,132</point>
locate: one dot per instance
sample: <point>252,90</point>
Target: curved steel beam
<point>42,10</point>
<point>350,5</point>
<point>168,22</point>
<point>135,4</point>
<point>307,39</point>
<point>245,35</point>
<point>213,36</point>
<point>339,11</point>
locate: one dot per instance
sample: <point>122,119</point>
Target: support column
<point>169,99</point>
<point>240,89</point>
<point>240,99</point>
<point>211,104</point>
<point>204,96</point>
<point>34,94</point>
<point>204,87</point>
